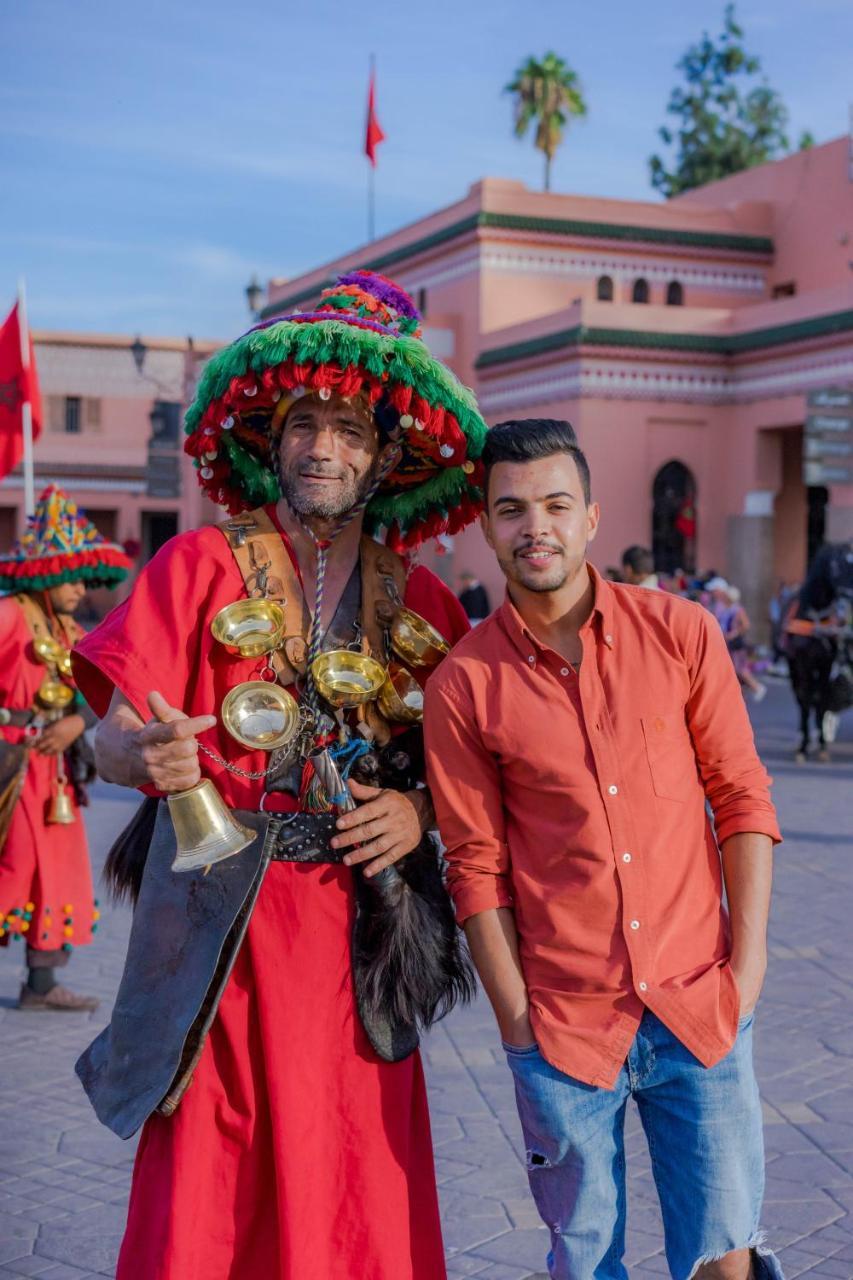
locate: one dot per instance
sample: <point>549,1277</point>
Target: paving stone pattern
<point>64,1178</point>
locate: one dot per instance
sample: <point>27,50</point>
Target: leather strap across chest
<point>268,572</point>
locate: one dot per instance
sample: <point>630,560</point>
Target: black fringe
<point>125,862</point>
<point>411,963</point>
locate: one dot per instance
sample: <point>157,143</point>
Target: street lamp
<point>138,350</point>
<point>254,295</point>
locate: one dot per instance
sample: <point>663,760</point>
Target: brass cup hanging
<point>401,698</point>
<point>416,641</point>
<point>345,678</point>
<point>261,715</point>
<point>54,694</point>
<point>48,650</point>
<point>249,628</point>
<point>205,828</point>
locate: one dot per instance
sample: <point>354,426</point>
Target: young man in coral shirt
<point>573,740</point>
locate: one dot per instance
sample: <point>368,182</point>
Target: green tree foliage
<point>547,94</point>
<point>728,121</point>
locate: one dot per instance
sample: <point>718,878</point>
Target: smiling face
<point>328,455</point>
<point>538,522</point>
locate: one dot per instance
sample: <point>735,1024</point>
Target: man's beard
<point>329,506</point>
<point>563,569</point>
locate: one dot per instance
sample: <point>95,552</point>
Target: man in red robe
<point>46,894</point>
<point>298,1151</point>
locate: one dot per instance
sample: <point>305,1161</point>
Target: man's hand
<point>749,976</point>
<point>165,749</point>
<point>387,825</point>
<point>57,737</point>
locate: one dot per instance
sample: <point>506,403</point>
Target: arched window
<point>674,518</point>
<point>674,294</point>
<point>640,292</point>
<point>604,289</point>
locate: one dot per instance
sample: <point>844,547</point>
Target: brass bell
<point>61,812</point>
<point>205,828</point>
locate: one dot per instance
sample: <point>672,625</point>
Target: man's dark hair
<point>639,559</point>
<point>528,439</point>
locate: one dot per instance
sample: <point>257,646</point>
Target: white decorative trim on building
<point>87,484</point>
<point>624,268</point>
<point>575,378</point>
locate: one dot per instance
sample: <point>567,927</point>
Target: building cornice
<point>729,344</point>
<point>761,246</point>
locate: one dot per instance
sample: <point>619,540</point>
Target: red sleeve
<point>154,639</point>
<point>465,785</point>
<point>427,595</point>
<point>736,783</point>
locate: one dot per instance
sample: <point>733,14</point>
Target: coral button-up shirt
<point>579,800</point>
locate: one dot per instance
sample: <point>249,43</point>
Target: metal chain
<point>232,768</point>
<point>298,744</point>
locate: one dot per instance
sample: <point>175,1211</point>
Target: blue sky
<point>155,154</point>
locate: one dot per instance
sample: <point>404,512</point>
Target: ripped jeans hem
<point>765,1263</point>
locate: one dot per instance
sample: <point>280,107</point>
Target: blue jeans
<point>703,1126</point>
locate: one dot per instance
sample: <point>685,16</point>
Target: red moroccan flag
<point>17,384</point>
<point>373,133</point>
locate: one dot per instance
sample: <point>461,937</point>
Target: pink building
<point>112,436</point>
<point>681,340</point>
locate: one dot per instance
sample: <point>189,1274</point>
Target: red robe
<point>296,1153</point>
<point>45,877</point>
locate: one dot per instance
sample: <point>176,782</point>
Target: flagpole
<point>371,176</point>
<point>26,407</point>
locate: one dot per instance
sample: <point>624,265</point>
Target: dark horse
<point>825,601</point>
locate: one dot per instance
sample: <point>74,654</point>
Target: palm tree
<point>549,93</point>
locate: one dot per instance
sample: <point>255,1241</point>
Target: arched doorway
<point>674,518</point>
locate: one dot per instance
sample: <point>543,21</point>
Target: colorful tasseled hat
<point>61,545</point>
<point>364,338</point>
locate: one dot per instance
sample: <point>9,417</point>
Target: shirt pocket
<point>669,750</point>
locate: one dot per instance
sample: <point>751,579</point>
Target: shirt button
<point>643,986</point>
<point>626,857</point>
<point>613,790</point>
<point>531,659</point>
<point>608,639</point>
<point>564,671</point>
<point>635,924</point>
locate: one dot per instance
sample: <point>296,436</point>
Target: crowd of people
<point>710,589</point>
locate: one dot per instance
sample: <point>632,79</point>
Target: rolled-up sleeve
<point>465,785</point>
<point>736,783</point>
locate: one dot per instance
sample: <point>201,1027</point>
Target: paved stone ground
<point>63,1178</point>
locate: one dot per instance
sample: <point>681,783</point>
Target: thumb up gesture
<point>167,748</point>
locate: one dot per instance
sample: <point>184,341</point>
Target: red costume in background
<point>45,878</point>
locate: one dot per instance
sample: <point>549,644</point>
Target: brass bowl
<point>260,715</point>
<point>249,627</point>
<point>347,679</point>
<point>53,693</point>
<point>416,641</point>
<point>48,650</point>
<point>63,666</point>
<point>401,698</point>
